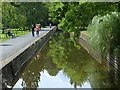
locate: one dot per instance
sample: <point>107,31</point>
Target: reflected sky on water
<point>58,81</point>
<point>64,64</point>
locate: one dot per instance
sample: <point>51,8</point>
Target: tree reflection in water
<point>61,54</point>
<point>73,61</point>
<point>39,63</point>
<point>78,65</point>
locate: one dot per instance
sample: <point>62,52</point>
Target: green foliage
<point>21,14</point>
<point>0,16</point>
<point>11,17</point>
<point>40,62</point>
<point>55,11</point>
<point>104,32</point>
<point>36,12</point>
<point>16,32</point>
<point>63,54</point>
<point>77,64</point>
<point>76,16</point>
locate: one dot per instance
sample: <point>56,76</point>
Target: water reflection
<point>58,81</point>
<point>61,64</point>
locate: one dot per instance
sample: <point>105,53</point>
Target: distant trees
<point>36,12</point>
<point>71,16</point>
<point>75,16</point>
<point>11,17</point>
<point>0,16</point>
<point>103,29</point>
<point>21,14</point>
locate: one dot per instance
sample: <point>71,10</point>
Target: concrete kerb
<point>83,40</point>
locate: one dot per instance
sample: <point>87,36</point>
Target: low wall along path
<point>14,47</point>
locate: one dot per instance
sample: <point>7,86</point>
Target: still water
<point>64,64</point>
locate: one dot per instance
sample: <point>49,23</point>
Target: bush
<point>104,32</point>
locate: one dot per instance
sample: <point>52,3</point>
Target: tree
<point>77,64</point>
<point>11,17</point>
<point>22,14</point>
<point>36,12</point>
<point>104,33</point>
<point>76,16</point>
<point>0,16</point>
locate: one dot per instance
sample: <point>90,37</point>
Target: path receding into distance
<point>10,48</point>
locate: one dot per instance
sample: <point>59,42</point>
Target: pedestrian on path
<point>33,29</point>
<point>50,25</point>
<point>37,29</point>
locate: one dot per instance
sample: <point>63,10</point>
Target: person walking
<point>37,29</point>
<point>50,25</point>
<point>33,27</point>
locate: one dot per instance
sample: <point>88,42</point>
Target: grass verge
<point>17,33</point>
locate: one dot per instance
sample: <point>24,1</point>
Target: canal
<point>64,64</point>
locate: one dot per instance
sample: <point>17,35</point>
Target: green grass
<point>16,32</point>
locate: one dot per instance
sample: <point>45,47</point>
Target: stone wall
<point>83,40</point>
<point>12,70</point>
<point>112,61</point>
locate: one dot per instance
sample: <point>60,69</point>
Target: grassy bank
<point>16,32</point>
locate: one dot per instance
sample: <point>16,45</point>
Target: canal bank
<point>112,61</point>
<point>83,41</point>
<point>13,64</point>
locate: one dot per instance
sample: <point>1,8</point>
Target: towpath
<point>13,47</point>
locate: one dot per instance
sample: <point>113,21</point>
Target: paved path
<point>10,48</point>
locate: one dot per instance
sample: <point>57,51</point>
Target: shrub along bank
<point>104,33</point>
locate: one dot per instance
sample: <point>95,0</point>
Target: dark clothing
<point>37,32</point>
<point>33,28</point>
<point>9,34</point>
<point>33,31</point>
<point>3,31</point>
